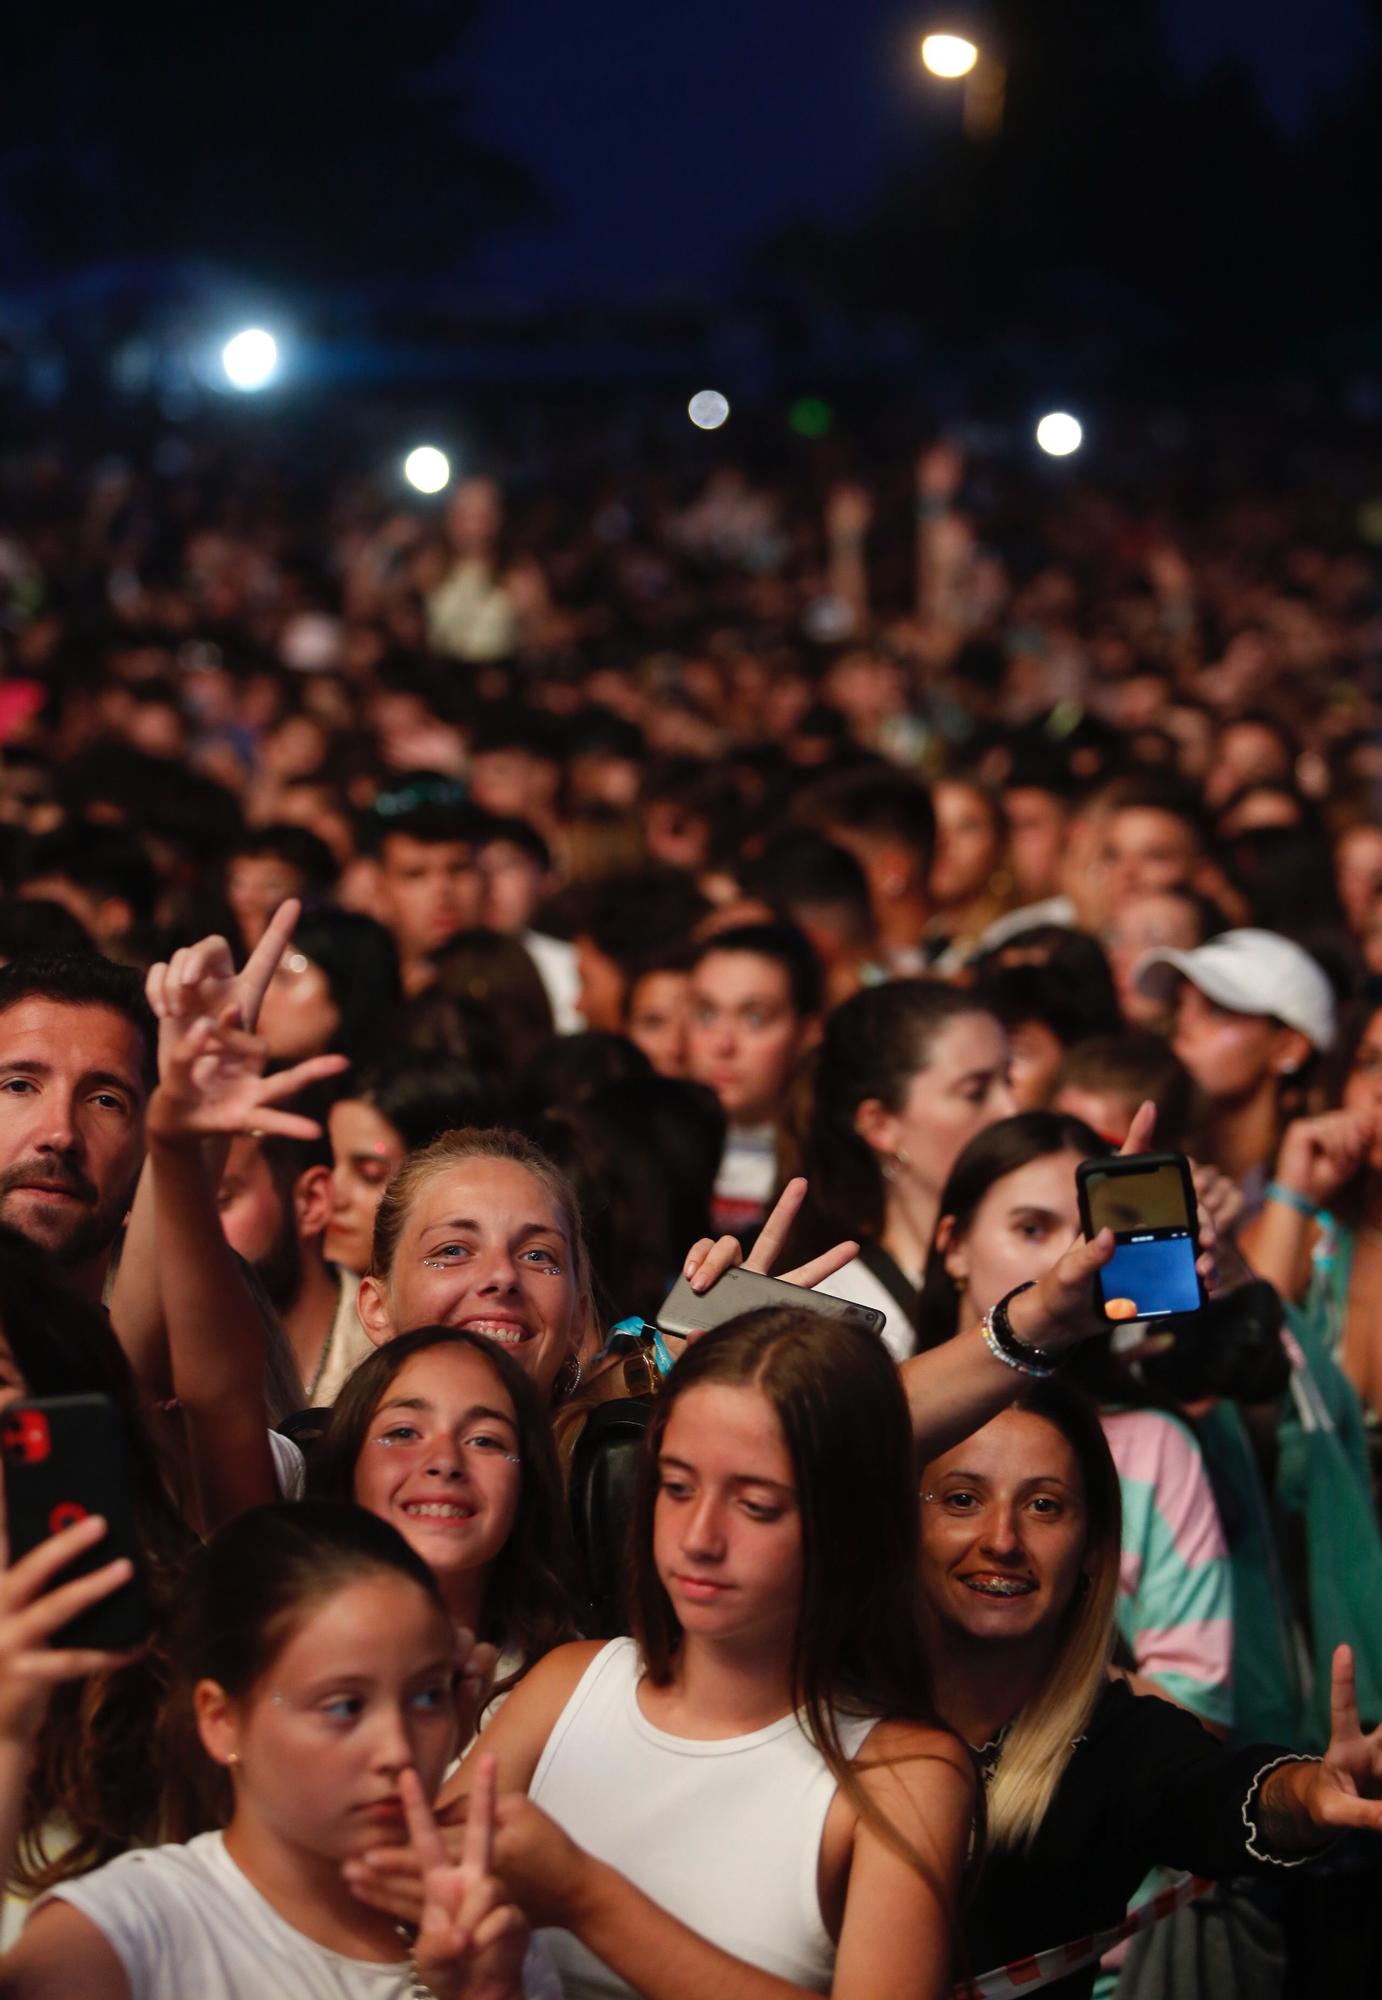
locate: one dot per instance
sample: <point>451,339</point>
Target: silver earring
<point>569,1380</point>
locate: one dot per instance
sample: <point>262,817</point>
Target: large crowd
<point>428,936</point>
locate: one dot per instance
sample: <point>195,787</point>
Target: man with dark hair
<point>1154,838</point>
<point>429,886</point>
<point>621,921</point>
<point>77,1063</point>
<point>821,887</point>
<point>268,865</point>
<point>103,876</point>
<point>887,822</point>
<point>756,995</point>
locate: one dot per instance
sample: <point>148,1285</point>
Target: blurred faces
<point>659,1016</point>
<point>963,1088</point>
<point>485,1247</point>
<point>726,1527</point>
<point>1002,1532</point>
<point>1363,1089</point>
<point>366,1150</point>
<point>600,997</point>
<point>969,845</point>
<point>1159,922</point>
<point>361,1688</point>
<point>745,1033</point>
<point>474,518</point>
<point>440,1461</point>
<point>1358,872</point>
<point>255,886</point>
<point>71,1127</point>
<point>1037,1054</point>
<point>512,884</point>
<point>259,1224</point>
<point>299,1017</point>
<point>1232,1055</point>
<point>1146,849</point>
<point>1246,752</point>
<point>429,890</point>
<point>1020,1230</point>
<point>1037,823</point>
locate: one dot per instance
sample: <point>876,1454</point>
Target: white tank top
<point>724,1835</point>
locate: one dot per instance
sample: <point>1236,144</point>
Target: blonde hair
<point>1039,1744</point>
<point>454,1149</point>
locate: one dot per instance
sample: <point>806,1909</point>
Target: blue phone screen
<point>1155,1271</point>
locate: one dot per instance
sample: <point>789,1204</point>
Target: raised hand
<point>710,1258</point>
<point>471,1939</point>
<point>1321,1155</point>
<point>212,1083</point>
<point>1346,1789</point>
<point>201,979</point>
<point>31,1612</point>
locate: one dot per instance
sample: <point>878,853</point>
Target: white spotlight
<point>250,359</point>
<point>426,468</point>
<point>708,409</point>
<point>1059,434</point>
<point>949,56</point>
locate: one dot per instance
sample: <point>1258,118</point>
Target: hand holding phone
<point>741,1290</point>
<point>35,1606</point>
<point>1148,1201</point>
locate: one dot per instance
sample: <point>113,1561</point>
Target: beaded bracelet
<point>1289,1198</point>
<point>1003,1344</point>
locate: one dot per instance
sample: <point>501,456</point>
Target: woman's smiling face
<point>483,1246</point>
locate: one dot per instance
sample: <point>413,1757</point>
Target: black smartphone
<point>64,1458</point>
<point>1148,1201</point>
<point>740,1291</point>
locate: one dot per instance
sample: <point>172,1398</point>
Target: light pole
<point>956,59</point>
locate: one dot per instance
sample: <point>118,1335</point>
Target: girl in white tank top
<point>751,1798</point>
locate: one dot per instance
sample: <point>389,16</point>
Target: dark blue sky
<point>781,107</point>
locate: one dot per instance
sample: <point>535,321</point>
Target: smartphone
<point>1148,1201</point>
<point>64,1458</point>
<point>740,1291</point>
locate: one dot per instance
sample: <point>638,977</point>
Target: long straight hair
<point>859,1647</point>
<point>1040,1742</point>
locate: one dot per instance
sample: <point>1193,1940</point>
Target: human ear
<point>1291,1053</point>
<point>952,1251</point>
<point>312,1202</point>
<point>376,1316</point>
<point>218,1726</point>
<point>879,1128</point>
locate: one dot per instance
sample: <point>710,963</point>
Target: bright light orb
<point>427,469</point>
<point>949,56</point>
<point>708,409</point>
<point>1059,434</point>
<point>250,359</point>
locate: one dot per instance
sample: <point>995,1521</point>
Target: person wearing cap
<point>1253,1014</point>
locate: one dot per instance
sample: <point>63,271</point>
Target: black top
<point>1146,1786</point>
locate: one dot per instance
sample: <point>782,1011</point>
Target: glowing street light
<point>1059,434</point>
<point>708,409</point>
<point>250,359</point>
<point>427,469</point>
<point>948,56</point>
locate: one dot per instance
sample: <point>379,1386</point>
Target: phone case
<point>741,1291</point>
<point>64,1458</point>
<point>1129,1166</point>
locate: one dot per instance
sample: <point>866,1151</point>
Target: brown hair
<point>493,1142</point>
<point>859,1646</point>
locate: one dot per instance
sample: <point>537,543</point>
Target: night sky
<point>784,107</point>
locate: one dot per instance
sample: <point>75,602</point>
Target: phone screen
<point>1152,1270</point>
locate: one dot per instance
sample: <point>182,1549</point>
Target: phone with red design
<point>64,1458</point>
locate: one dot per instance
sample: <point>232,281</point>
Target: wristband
<point>1004,1345</point>
<point>1289,1198</point>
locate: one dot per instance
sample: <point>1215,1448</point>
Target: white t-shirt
<point>855,1281</point>
<point>186,1924</point>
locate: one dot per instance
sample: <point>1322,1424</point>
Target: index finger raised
<point>768,1244</point>
<point>477,1845</point>
<point>426,1842</point>
<point>262,962</point>
<point>1142,1130</point>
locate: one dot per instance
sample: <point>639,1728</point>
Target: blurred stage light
<point>708,409</point>
<point>1059,434</point>
<point>428,469</point>
<point>949,56</point>
<point>250,359</point>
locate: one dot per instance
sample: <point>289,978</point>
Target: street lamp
<point>956,59</point>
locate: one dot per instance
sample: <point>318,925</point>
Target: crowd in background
<point>531,894</point>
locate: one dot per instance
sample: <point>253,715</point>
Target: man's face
<point>1036,840</point>
<point>71,1124</point>
<point>258,1223</point>
<point>1146,850</point>
<point>745,1033</point>
<point>431,890</point>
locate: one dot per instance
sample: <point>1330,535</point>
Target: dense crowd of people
<point>430,936</point>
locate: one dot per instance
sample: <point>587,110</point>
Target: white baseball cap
<point>1250,972</point>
